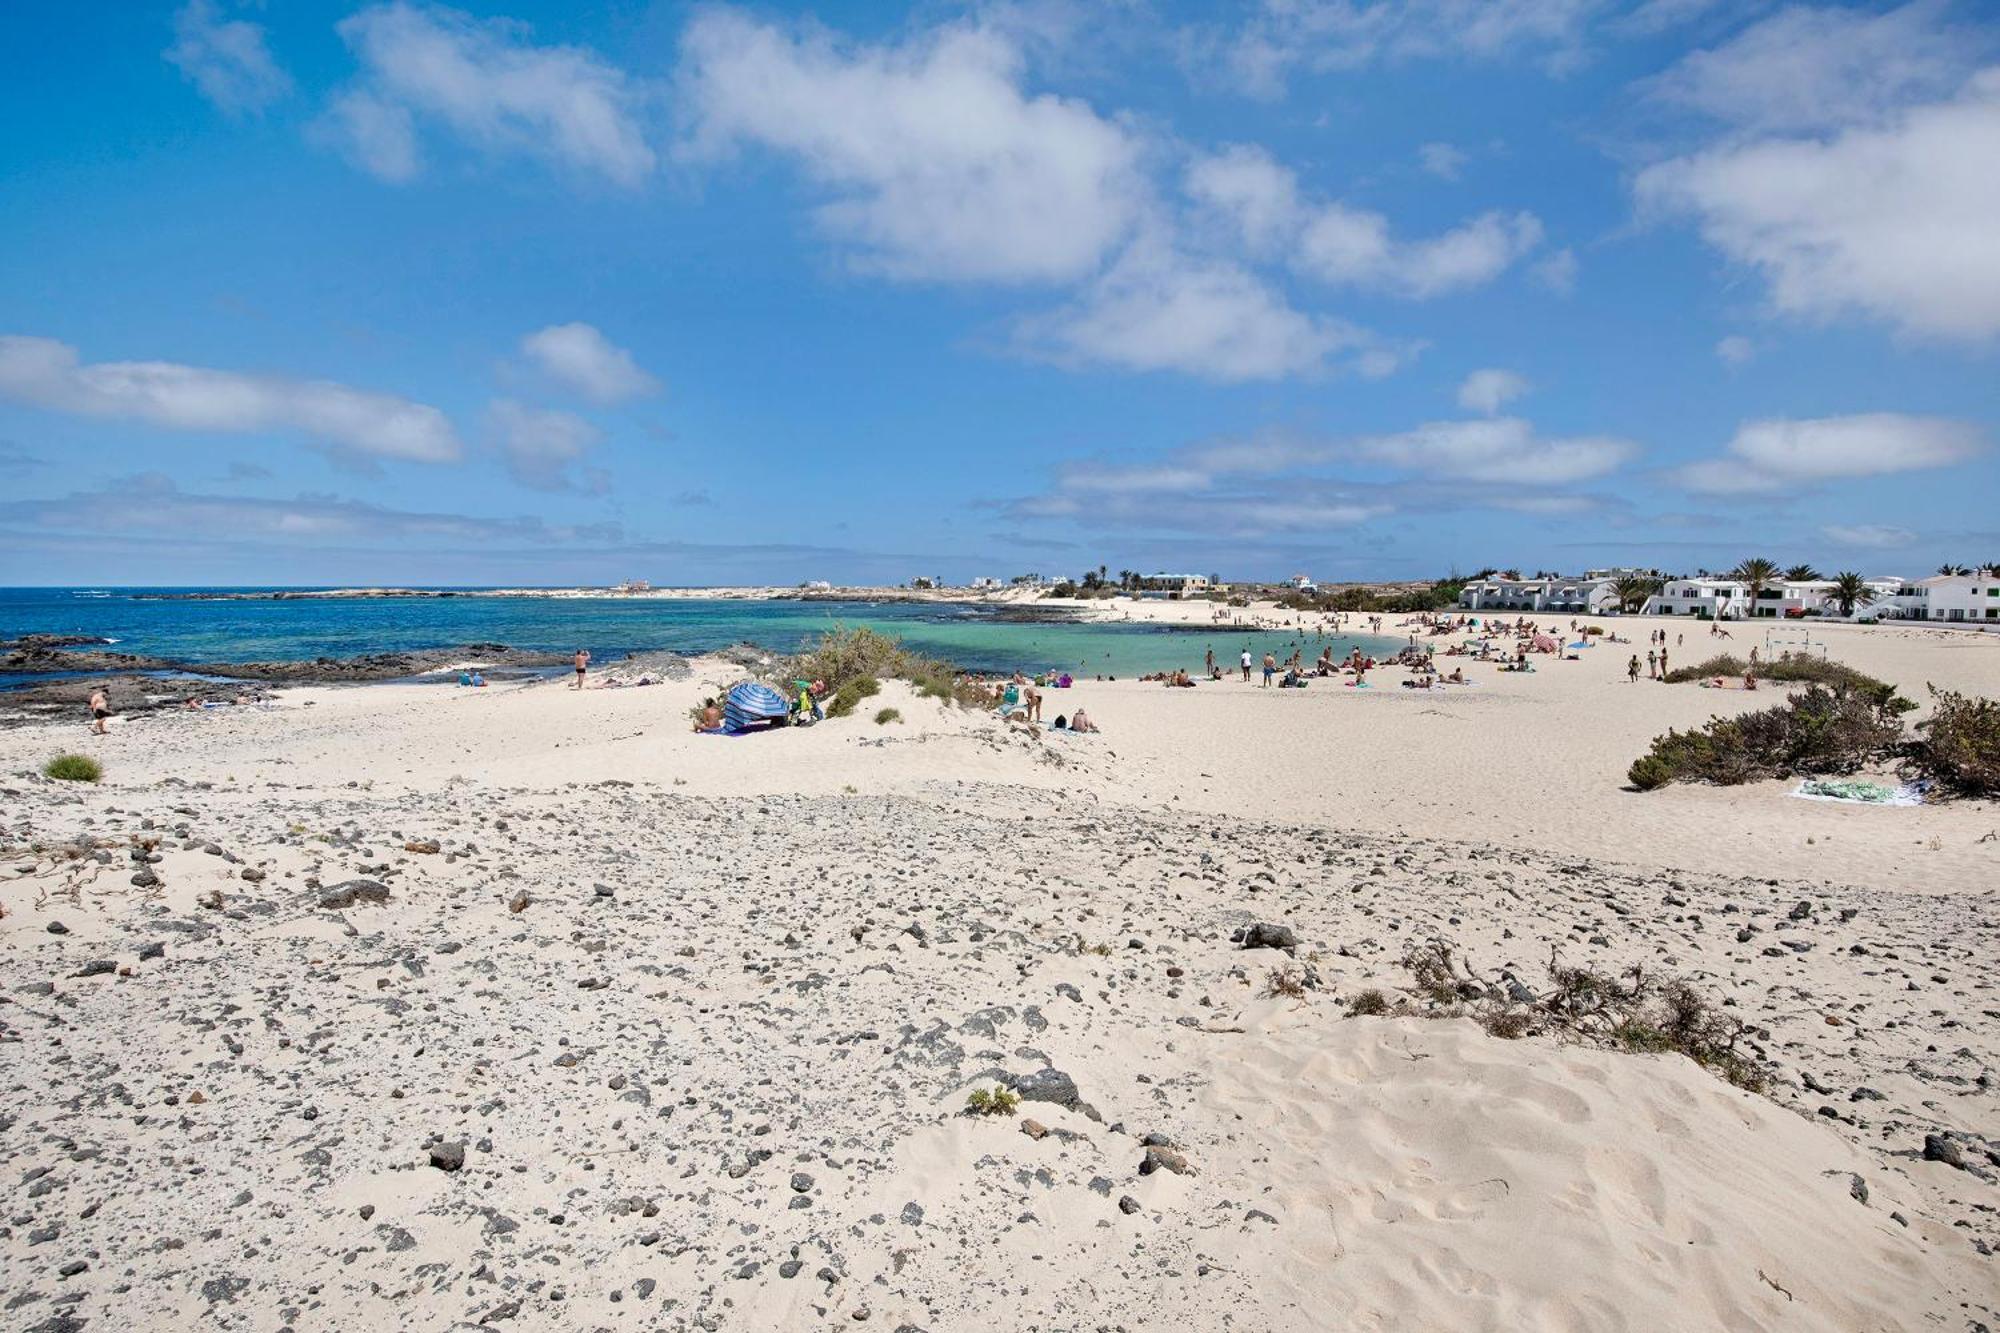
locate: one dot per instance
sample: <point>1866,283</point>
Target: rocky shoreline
<point>137,683</point>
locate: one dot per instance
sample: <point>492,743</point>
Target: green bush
<point>1959,745</point>
<point>993,1101</point>
<point>1823,729</point>
<point>73,768</point>
<point>886,716</point>
<point>1790,668</point>
<point>844,657</point>
<point>851,693</point>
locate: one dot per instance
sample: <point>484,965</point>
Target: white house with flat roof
<point>1708,599</point>
<point>1947,597</point>
<point>1584,596</point>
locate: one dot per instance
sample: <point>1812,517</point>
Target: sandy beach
<point>424,1007</point>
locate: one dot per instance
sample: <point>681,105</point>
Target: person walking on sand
<point>1246,666</point>
<point>1632,670</point>
<point>582,661</point>
<point>100,709</point>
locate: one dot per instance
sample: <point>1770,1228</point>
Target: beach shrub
<point>1821,730</point>
<point>1634,1011</point>
<point>1958,746</point>
<point>992,1101</point>
<point>1286,983</point>
<point>1795,668</point>
<point>851,693</point>
<point>73,768</point>
<point>886,716</point>
<point>1368,1003</point>
<point>843,656</point>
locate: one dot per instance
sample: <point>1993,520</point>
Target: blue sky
<point>536,293</point>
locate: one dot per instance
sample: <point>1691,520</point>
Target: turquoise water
<point>976,637</point>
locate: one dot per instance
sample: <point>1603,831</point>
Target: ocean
<point>153,622</point>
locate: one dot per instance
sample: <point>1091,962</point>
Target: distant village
<point>1755,589</point>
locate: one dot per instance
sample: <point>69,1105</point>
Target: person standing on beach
<point>1210,663</point>
<point>1632,670</point>
<point>1652,662</point>
<point>1270,669</point>
<point>1246,666</point>
<point>100,709</point>
<point>1663,664</point>
<point>582,661</point>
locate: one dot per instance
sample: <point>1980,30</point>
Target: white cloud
<point>1894,222</point>
<point>1339,244</point>
<point>1870,536</point>
<point>542,446</point>
<point>1250,193</point>
<point>487,82</point>
<point>939,165</point>
<point>1442,160</point>
<point>49,374</point>
<point>1775,455</point>
<point>379,137</point>
<point>1558,272</point>
<point>1504,449</point>
<point>581,358</point>
<point>1735,351</point>
<point>1488,391</point>
<point>152,503</point>
<point>227,59</point>
<point>1345,245</point>
<point>1807,69</point>
<point>1324,35</point>
<point>1158,309</point>
<point>1494,449</point>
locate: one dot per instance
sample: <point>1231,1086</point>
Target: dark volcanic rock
<point>350,892</point>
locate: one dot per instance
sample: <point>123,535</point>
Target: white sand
<point>751,985</point>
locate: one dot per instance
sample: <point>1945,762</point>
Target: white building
<point>1949,597</point>
<point>1303,583</point>
<point>1174,585</point>
<point>1709,599</point>
<point>985,584</point>
<point>1585,596</point>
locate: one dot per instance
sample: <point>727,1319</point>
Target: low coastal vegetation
<point>992,1101</point>
<point>853,662</point>
<point>1636,1010</point>
<point>1787,668</point>
<point>1824,729</point>
<point>1844,721</point>
<point>888,715</point>
<point>73,768</point>
<point>1959,743</point>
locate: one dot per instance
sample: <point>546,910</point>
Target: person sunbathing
<point>1080,721</point>
<point>710,719</point>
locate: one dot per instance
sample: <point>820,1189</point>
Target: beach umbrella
<point>750,704</point>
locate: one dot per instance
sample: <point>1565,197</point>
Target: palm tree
<point>1801,574</point>
<point>1756,574</point>
<point>1632,590</point>
<point>1849,592</point>
<point>1948,569</point>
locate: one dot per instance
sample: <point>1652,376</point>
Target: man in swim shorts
<point>100,709</point>
<point>582,661</point>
